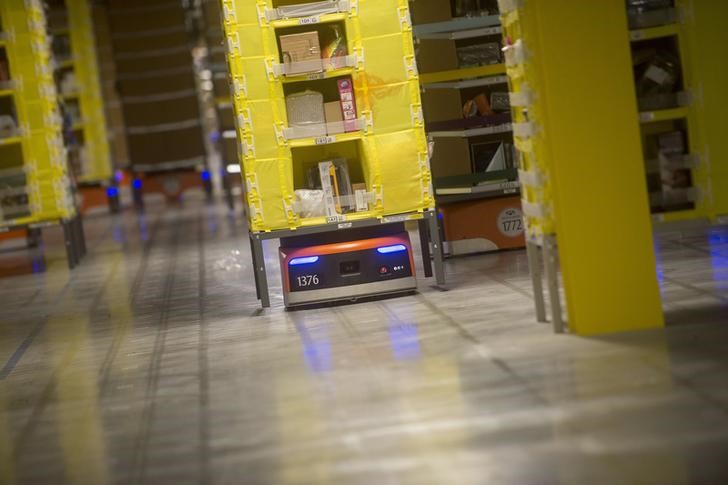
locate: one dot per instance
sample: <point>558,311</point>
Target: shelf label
<point>316,76</point>
<point>647,116</point>
<point>510,187</point>
<point>345,225</point>
<point>325,140</point>
<point>335,219</point>
<point>391,219</point>
<point>309,20</point>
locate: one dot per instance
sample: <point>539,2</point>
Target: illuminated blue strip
<point>112,192</point>
<point>299,261</point>
<point>137,184</point>
<point>205,175</point>
<point>392,249</point>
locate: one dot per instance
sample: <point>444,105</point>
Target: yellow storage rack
<point>34,156</point>
<point>689,28</point>
<point>91,126</point>
<point>583,183</point>
<point>390,141</point>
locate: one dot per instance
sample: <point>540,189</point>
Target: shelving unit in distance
<point>35,189</point>
<point>676,100</point>
<point>468,121</point>
<point>154,46</point>
<point>357,58</point>
<point>70,26</point>
<point>225,136</point>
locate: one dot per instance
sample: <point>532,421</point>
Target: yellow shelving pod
<point>35,155</point>
<point>72,20</point>
<point>582,176</point>
<point>389,139</point>
<point>384,143</point>
<point>707,42</point>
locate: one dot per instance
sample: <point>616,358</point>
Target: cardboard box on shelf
<point>301,52</point>
<point>334,117</point>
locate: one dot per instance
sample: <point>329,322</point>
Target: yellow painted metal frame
<point>464,73</point>
<point>85,64</point>
<point>584,143</point>
<point>392,148</point>
<point>706,41</point>
<point>36,103</point>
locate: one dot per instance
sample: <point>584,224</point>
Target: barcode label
<point>335,219</point>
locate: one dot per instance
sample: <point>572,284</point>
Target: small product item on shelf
<point>336,186</point>
<point>13,197</point>
<point>308,9</point>
<point>306,114</point>
<point>348,104</point>
<point>474,8</point>
<point>671,146</point>
<point>301,53</point>
<point>483,156</point>
<point>309,203</point>
<point>479,54</point>
<point>500,101</point>
<point>657,81</point>
<point>649,13</point>
<point>334,117</point>
<point>360,197</point>
<point>334,48</point>
<point>68,84</point>
<point>4,70</point>
<point>8,126</point>
<point>478,106</point>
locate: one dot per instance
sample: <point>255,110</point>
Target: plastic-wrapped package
<point>309,9</point>
<point>479,54</point>
<point>309,203</point>
<point>306,113</point>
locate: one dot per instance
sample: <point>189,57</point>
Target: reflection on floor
<point>151,363</point>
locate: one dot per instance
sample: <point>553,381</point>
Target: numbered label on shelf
<point>325,140</point>
<point>316,76</point>
<point>309,20</point>
<point>335,219</point>
<point>345,225</point>
<point>510,222</point>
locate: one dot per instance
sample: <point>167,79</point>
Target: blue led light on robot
<point>397,248</point>
<point>300,261</point>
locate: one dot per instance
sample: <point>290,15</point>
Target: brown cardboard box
<point>301,52</point>
<point>160,112</point>
<point>428,11</point>
<point>333,114</point>
<point>442,105</point>
<point>451,157</point>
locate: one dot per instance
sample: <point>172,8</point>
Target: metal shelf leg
<point>260,275</point>
<point>425,247</point>
<point>437,249</point>
<point>534,263</point>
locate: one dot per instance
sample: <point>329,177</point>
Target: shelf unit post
<point>585,196</point>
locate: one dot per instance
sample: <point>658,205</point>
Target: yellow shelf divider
<point>464,73</point>
<point>654,32</point>
<point>585,206</point>
<point>664,115</point>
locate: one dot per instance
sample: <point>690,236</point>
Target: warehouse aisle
<point>152,364</point>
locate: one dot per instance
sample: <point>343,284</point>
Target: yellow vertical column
<point>573,62</point>
<point>708,48</point>
<point>89,83</point>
